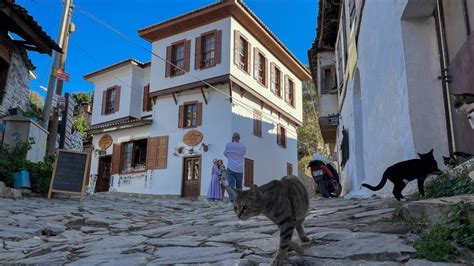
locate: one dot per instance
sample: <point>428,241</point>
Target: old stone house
<point>384,71</point>
<point>16,69</point>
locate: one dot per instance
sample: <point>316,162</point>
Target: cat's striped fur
<point>285,202</point>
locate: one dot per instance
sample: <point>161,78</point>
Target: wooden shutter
<point>285,91</point>
<point>187,55</point>
<point>283,136</point>
<point>255,63</point>
<point>278,134</point>
<point>162,156</point>
<point>197,53</point>
<point>168,60</point>
<point>104,101</point>
<point>272,77</point>
<point>117,99</point>
<point>218,44</point>
<point>116,158</point>
<point>257,124</point>
<point>146,98</point>
<point>151,153</point>
<point>289,169</point>
<point>265,77</point>
<point>180,116</point>
<point>199,114</point>
<point>248,173</point>
<point>249,57</point>
<point>236,47</point>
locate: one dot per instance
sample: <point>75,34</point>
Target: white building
<point>395,62</point>
<point>238,77</point>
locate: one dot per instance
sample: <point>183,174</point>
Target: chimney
<point>86,107</point>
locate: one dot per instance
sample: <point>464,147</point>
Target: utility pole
<point>58,61</point>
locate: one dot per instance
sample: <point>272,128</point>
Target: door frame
<point>100,170</point>
<point>183,171</point>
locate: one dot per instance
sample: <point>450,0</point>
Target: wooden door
<point>103,179</point>
<point>248,173</point>
<point>191,177</point>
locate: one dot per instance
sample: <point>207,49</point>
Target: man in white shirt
<point>235,152</point>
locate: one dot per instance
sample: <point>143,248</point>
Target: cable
<point>124,36</point>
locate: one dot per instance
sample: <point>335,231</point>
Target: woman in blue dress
<point>214,192</point>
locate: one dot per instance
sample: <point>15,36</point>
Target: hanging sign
<point>105,141</point>
<point>192,138</point>
<point>61,75</point>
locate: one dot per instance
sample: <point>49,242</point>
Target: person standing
<point>214,191</point>
<point>235,152</point>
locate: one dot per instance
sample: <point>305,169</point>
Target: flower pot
<point>21,179</point>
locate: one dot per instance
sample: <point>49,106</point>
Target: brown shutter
<point>289,169</point>
<point>278,135</point>
<point>265,78</point>
<point>146,98</point>
<point>249,57</point>
<point>257,124</point>
<point>281,84</point>
<point>218,44</point>
<point>151,153</point>
<point>116,158</point>
<point>197,53</point>
<point>248,173</point>
<point>180,116</point>
<point>187,55</point>
<point>255,63</point>
<point>162,156</point>
<point>104,101</point>
<point>117,99</point>
<point>199,114</point>
<point>168,60</point>
<point>236,47</point>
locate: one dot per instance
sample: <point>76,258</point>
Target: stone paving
<point>113,229</point>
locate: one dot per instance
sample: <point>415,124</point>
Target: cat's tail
<point>379,186</point>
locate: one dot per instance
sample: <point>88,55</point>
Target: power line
<point>250,109</point>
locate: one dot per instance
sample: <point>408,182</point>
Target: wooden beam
<point>242,91</point>
<point>203,94</point>
<point>230,90</point>
<point>262,104</point>
<point>174,97</point>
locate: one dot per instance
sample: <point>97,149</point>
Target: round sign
<point>192,138</point>
<point>105,141</point>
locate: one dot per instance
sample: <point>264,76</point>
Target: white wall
<point>328,104</point>
<point>269,158</point>
<point>251,82</point>
<point>158,79</point>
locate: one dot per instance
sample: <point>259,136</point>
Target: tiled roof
<point>115,66</point>
<point>129,122</point>
<point>23,13</point>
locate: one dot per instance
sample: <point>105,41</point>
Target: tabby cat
<point>403,172</point>
<point>285,202</point>
<point>457,158</point>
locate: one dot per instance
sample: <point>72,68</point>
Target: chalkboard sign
<point>69,175</point>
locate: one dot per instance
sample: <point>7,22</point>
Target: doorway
<point>191,177</point>
<point>103,179</point>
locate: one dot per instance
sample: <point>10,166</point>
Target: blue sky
<point>93,46</point>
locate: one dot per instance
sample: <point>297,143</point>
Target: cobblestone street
<point>111,229</point>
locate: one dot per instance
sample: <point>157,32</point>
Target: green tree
<point>80,98</point>
<point>35,105</point>
<point>309,135</point>
<point>80,125</point>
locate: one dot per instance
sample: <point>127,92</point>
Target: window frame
<point>185,105</point>
<point>261,67</point>
<point>132,156</point>
<point>276,80</point>
<point>244,65</point>
<point>109,104</point>
<point>174,71</point>
<point>257,123</point>
<point>204,36</point>
<point>290,92</point>
<point>281,136</point>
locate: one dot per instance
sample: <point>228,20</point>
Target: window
<point>110,98</point>
<point>208,50</point>
<point>134,155</point>
<point>281,136</point>
<point>290,92</point>
<point>328,80</point>
<point>147,100</point>
<point>177,58</point>
<point>276,81</point>
<point>289,169</point>
<point>257,124</point>
<point>249,172</point>
<point>190,115</point>
<point>260,67</point>
<point>243,54</point>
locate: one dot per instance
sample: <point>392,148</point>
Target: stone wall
<point>17,88</point>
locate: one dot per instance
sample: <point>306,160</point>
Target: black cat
<point>403,172</point>
<point>457,158</point>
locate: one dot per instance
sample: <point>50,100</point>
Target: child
<point>223,176</point>
<point>214,192</point>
